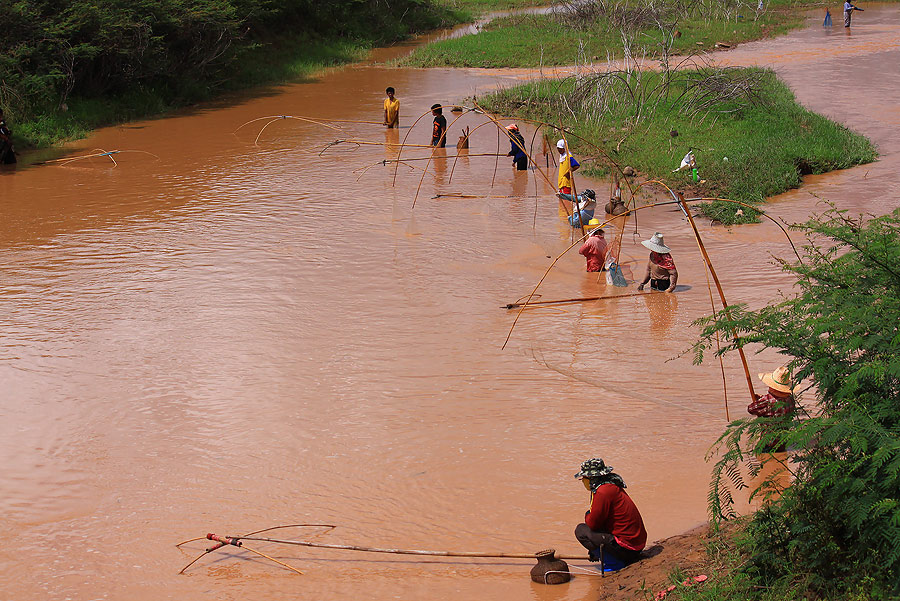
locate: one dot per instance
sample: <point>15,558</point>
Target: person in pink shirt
<point>594,250</point>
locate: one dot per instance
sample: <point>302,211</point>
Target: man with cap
<point>594,250</point>
<point>517,147</point>
<point>583,207</point>
<point>613,525</point>
<point>567,166</point>
<point>661,272</point>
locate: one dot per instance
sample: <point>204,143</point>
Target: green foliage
<point>58,54</point>
<point>839,522</point>
<point>748,146</point>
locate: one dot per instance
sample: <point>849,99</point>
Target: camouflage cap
<point>594,468</point>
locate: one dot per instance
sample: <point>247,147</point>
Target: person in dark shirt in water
<point>439,133</point>
<point>7,152</point>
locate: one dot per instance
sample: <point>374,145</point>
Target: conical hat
<point>657,244</point>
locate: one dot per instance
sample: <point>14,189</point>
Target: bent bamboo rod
<point>302,543</point>
<point>712,271</point>
<point>576,300</point>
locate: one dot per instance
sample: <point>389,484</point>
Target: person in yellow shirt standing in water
<point>391,110</point>
<point>567,166</point>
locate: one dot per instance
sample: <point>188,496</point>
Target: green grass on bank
<point>484,6</point>
<point>769,140</point>
<point>535,40</point>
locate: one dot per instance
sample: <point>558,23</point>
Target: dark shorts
<point>591,539</point>
<point>660,284</point>
<point>521,164</point>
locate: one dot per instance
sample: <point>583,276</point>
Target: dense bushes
<point>181,49</point>
<point>838,525</point>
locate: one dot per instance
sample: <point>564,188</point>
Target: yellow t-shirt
<point>565,172</point>
<point>392,108</point>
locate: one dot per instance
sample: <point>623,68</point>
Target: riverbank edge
<point>787,15</point>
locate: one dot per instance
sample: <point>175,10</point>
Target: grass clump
<point>750,138</point>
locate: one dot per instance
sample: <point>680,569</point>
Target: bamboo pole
<point>498,555</point>
<point>577,300</point>
<point>715,277</point>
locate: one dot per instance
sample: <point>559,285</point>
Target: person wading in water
<point>594,250</point>
<point>661,272</point>
<point>7,152</point>
<point>613,525</point>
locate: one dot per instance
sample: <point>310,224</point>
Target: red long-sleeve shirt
<point>594,250</point>
<point>613,511</point>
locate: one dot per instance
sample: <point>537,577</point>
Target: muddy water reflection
<point>233,337</point>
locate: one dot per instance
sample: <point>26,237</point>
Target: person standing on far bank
<point>391,110</point>
<point>567,166</point>
<point>661,272</point>
<point>439,131</point>
<point>848,12</point>
<point>7,152</point>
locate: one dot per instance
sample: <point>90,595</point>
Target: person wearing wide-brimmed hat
<point>613,524</point>
<point>661,271</point>
<point>779,400</point>
<point>517,147</point>
<point>594,250</point>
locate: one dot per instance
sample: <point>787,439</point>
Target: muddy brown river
<point>233,336</point>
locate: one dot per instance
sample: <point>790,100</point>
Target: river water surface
<point>234,336</point>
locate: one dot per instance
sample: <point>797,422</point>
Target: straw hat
<point>657,244</point>
<point>780,379</point>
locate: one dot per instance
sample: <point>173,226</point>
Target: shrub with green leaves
<point>838,524</point>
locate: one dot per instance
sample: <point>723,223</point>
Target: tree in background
<point>837,526</point>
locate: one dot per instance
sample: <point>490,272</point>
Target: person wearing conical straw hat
<point>661,271</point>
<point>613,524</point>
<point>594,250</point>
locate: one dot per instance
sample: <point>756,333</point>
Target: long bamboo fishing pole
<point>725,305</point>
<point>302,543</point>
<point>583,299</point>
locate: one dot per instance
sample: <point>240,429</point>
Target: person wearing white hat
<point>661,271</point>
<point>594,250</point>
<point>567,166</point>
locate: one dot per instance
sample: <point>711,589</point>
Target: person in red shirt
<point>613,524</point>
<point>778,403</point>
<point>594,250</point>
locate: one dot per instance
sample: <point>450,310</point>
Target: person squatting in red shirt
<point>613,524</point>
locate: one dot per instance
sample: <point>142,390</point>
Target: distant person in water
<point>391,109</point>
<point>613,525</point>
<point>567,166</point>
<point>517,147</point>
<point>848,12</point>
<point>583,207</point>
<point>439,131</point>
<point>661,272</point>
<point>7,152</point>
<point>594,250</point>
